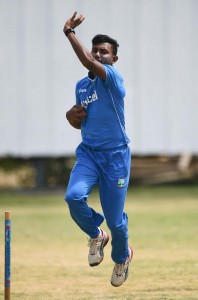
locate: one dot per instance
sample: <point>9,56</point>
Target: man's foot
<point>121,271</point>
<point>96,253</point>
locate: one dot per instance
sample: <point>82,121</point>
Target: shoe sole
<point>127,272</point>
<point>103,245</point>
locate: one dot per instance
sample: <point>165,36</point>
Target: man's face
<point>103,53</point>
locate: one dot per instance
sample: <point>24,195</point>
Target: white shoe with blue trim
<point>121,271</point>
<point>96,253</point>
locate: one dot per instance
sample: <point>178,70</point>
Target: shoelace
<point>119,269</point>
<point>94,245</point>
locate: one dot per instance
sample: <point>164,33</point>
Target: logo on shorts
<point>121,182</point>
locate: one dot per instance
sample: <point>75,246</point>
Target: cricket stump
<point>7,254</point>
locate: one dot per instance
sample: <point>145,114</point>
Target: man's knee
<point>114,227</point>
<point>72,194</point>
<point>118,228</point>
<point>120,224</point>
<point>73,199</point>
<point>118,232</point>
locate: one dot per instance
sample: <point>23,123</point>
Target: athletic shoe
<point>96,253</point>
<point>121,271</point>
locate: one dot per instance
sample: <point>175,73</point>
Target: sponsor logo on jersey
<point>82,91</point>
<point>89,100</point>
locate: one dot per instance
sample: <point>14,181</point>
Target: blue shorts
<point>110,170</point>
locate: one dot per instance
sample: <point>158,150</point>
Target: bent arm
<point>81,51</point>
<point>86,58</point>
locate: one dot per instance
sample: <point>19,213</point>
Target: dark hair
<point>102,38</point>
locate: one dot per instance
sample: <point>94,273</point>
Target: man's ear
<point>114,59</point>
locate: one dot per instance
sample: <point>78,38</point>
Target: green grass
<point>49,253</point>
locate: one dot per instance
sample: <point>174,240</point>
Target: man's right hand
<point>74,21</point>
<point>76,115</point>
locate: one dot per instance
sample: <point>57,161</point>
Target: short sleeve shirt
<point>103,100</point>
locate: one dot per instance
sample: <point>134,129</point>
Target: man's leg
<point>82,180</point>
<point>113,184</point>
<point>117,221</point>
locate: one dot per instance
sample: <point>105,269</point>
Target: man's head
<point>104,49</point>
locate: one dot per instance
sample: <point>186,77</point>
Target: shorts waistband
<point>106,149</point>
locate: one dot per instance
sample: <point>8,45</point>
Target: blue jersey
<point>104,125</point>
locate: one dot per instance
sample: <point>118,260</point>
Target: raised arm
<point>81,51</point>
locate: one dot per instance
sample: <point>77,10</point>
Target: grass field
<point>49,253</point>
